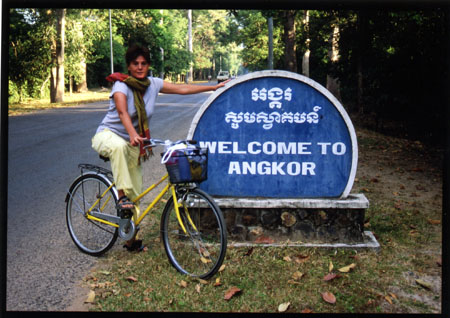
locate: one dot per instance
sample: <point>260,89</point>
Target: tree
<point>290,54</point>
<point>57,71</point>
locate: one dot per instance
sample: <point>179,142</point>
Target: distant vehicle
<point>222,76</point>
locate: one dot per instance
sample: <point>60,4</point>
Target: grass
<point>265,277</point>
<point>33,105</point>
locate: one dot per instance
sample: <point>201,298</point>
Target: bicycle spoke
<point>200,251</point>
<point>91,236</point>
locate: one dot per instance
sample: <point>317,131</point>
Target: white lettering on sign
<point>269,119</point>
<point>337,148</point>
<point>268,148</point>
<point>292,168</point>
<point>271,148</point>
<point>275,95</point>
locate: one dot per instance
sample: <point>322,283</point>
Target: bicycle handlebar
<point>149,143</point>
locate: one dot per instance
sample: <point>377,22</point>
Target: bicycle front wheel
<point>91,237</point>
<point>196,246</point>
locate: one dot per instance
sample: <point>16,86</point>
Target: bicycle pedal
<point>126,214</point>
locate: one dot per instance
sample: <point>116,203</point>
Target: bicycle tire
<point>198,253</point>
<point>91,237</point>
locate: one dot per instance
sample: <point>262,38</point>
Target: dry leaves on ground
<point>329,297</point>
<point>283,307</point>
<point>90,298</point>
<point>231,292</point>
<point>330,276</point>
<point>347,269</point>
<point>264,240</point>
<point>132,279</point>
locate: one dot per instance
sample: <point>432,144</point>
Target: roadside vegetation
<point>32,105</point>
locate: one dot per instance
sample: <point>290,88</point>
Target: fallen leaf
<point>231,292</point>
<point>434,222</point>
<point>204,282</point>
<point>283,307</point>
<point>90,298</point>
<point>424,284</point>
<point>297,275</point>
<point>306,311</point>
<point>128,295</point>
<point>146,299</point>
<point>249,252</point>
<point>393,295</point>
<point>217,283</point>
<point>301,258</point>
<point>329,277</point>
<point>330,267</point>
<point>105,272</point>
<point>287,259</point>
<point>439,261</point>
<point>329,297</point>
<point>205,252</point>
<point>148,291</point>
<point>222,268</point>
<point>388,299</point>
<point>294,282</point>
<point>183,284</point>
<point>132,279</point>
<point>347,269</point>
<point>197,288</point>
<point>264,240</point>
<point>205,261</point>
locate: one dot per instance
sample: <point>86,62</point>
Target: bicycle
<point>192,226</point>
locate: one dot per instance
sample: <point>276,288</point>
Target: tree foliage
<point>391,64</point>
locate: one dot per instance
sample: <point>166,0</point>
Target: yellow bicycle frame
<point>151,205</point>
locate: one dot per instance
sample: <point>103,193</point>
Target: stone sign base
<point>310,221</point>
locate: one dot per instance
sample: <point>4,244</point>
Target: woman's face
<point>139,68</point>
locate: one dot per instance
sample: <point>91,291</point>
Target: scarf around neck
<point>138,87</point>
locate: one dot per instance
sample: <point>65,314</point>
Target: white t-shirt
<point>112,120</point>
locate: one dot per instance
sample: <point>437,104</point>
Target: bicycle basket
<point>188,165</point>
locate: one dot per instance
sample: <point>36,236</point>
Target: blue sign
<point>276,134</point>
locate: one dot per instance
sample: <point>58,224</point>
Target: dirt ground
<point>409,175</point>
<point>406,174</point>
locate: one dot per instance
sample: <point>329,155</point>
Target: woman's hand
<point>136,140</point>
<point>222,84</point>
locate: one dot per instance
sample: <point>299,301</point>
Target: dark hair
<point>135,51</point>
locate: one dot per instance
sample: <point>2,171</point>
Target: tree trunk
<point>305,60</point>
<point>270,26</point>
<point>362,51</point>
<point>82,86</point>
<point>190,44</point>
<point>333,55</point>
<point>290,56</point>
<point>43,86</point>
<point>57,72</point>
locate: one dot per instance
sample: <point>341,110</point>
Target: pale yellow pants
<point>123,157</point>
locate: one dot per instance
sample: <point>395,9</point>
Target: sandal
<point>124,201</point>
<point>135,246</point>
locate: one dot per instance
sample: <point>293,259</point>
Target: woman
<point>121,134</point>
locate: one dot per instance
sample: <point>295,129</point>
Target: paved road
<point>43,265</point>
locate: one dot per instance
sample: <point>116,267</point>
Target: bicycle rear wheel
<point>199,251</point>
<point>90,236</point>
